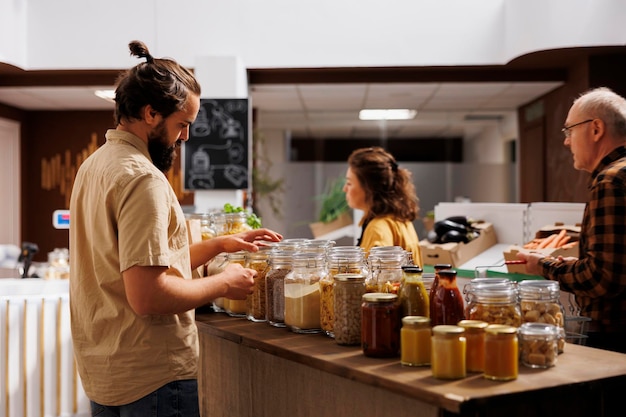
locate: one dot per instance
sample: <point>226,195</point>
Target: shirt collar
<point>119,136</point>
<point>614,155</point>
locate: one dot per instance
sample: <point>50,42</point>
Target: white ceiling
<point>331,110</point>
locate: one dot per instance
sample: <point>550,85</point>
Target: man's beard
<point>161,152</point>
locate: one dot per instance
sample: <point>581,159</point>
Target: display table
<point>254,369</point>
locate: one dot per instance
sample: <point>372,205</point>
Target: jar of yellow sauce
<point>501,352</point>
<point>448,346</point>
<point>415,341</point>
<point>475,351</point>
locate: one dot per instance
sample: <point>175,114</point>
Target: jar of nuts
<point>348,293</point>
<point>495,304</point>
<point>538,344</point>
<point>540,303</point>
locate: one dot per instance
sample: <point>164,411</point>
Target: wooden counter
<point>253,369</point>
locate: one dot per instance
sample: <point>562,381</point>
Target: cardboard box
<point>320,228</point>
<point>456,254</point>
<point>572,230</point>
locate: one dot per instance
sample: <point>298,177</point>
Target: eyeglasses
<point>567,129</point>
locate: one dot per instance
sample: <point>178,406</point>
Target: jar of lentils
<point>348,293</point>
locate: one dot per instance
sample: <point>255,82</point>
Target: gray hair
<point>604,104</point>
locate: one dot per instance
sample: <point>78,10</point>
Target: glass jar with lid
<point>415,343</point>
<point>255,303</point>
<point>538,344</point>
<point>213,267</point>
<point>501,352</point>
<point>236,308</point>
<point>302,292</point>
<point>339,261</point>
<point>380,325</point>
<point>495,304</point>
<point>279,265</point>
<point>414,300</point>
<point>385,271</point>
<point>540,302</point>
<point>348,293</point>
<point>230,223</point>
<point>448,346</point>
<point>475,348</point>
<point>448,307</point>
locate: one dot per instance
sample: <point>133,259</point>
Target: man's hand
<point>239,280</point>
<point>249,240</point>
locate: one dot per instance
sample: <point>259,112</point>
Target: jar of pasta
<point>385,270</point>
<point>380,325</point>
<point>255,303</point>
<point>236,308</point>
<point>495,304</point>
<point>348,292</point>
<point>280,264</point>
<point>501,352</point>
<point>302,292</point>
<point>341,260</point>
<point>540,303</point>
<point>448,346</point>
<point>230,223</point>
<point>538,344</point>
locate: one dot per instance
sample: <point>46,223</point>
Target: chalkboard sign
<point>216,156</point>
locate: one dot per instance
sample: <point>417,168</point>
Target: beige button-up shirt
<point>125,213</point>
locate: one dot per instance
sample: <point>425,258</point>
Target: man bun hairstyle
<point>160,82</point>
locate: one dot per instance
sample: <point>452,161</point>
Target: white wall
<point>284,33</point>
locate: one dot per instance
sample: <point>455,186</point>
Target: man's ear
<point>598,129</point>
<point>150,115</point>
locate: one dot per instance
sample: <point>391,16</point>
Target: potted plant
<point>334,211</point>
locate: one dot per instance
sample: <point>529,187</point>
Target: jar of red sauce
<point>447,305</point>
<point>380,325</point>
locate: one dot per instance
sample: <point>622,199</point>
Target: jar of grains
<point>279,265</point>
<point>340,260</point>
<point>380,325</point>
<point>540,302</point>
<point>302,292</point>
<point>255,303</point>
<point>348,292</point>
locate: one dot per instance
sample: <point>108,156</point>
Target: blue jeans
<point>176,399</point>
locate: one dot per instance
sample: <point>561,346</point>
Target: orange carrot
<point>557,239</point>
<point>547,241</point>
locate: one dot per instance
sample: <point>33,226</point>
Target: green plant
<point>333,200</point>
<point>263,185</point>
<point>253,221</point>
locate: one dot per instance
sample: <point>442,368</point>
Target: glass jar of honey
<point>475,351</point>
<point>415,341</point>
<point>380,325</point>
<point>501,352</point>
<point>448,351</point>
